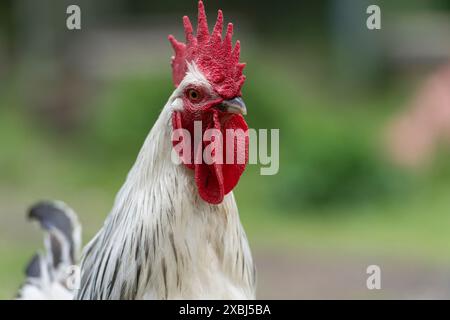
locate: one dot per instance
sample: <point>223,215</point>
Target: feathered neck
<point>160,236</point>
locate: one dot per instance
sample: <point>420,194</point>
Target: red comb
<point>213,55</point>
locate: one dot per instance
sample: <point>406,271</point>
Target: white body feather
<point>48,291</point>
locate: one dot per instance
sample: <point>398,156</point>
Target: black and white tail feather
<point>47,274</point>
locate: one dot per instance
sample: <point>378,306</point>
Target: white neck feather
<point>161,240</point>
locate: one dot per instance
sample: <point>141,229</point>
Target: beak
<point>235,105</point>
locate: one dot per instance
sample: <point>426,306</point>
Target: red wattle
<point>215,180</point>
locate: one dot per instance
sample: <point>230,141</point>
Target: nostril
<point>221,107</point>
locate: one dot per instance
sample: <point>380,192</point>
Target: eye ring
<point>194,95</point>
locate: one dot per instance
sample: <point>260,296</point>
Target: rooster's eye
<point>193,95</point>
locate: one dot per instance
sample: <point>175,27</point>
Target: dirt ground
<point>305,275</point>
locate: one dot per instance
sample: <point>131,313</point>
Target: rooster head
<point>208,78</point>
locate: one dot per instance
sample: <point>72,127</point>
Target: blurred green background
<point>354,188</point>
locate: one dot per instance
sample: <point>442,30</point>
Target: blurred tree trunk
<point>356,50</point>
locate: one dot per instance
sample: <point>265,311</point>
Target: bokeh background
<point>364,119</point>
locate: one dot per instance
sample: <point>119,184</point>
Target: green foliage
<point>124,114</point>
<point>337,167</point>
<point>328,151</point>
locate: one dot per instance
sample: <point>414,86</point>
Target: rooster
<point>174,230</point>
